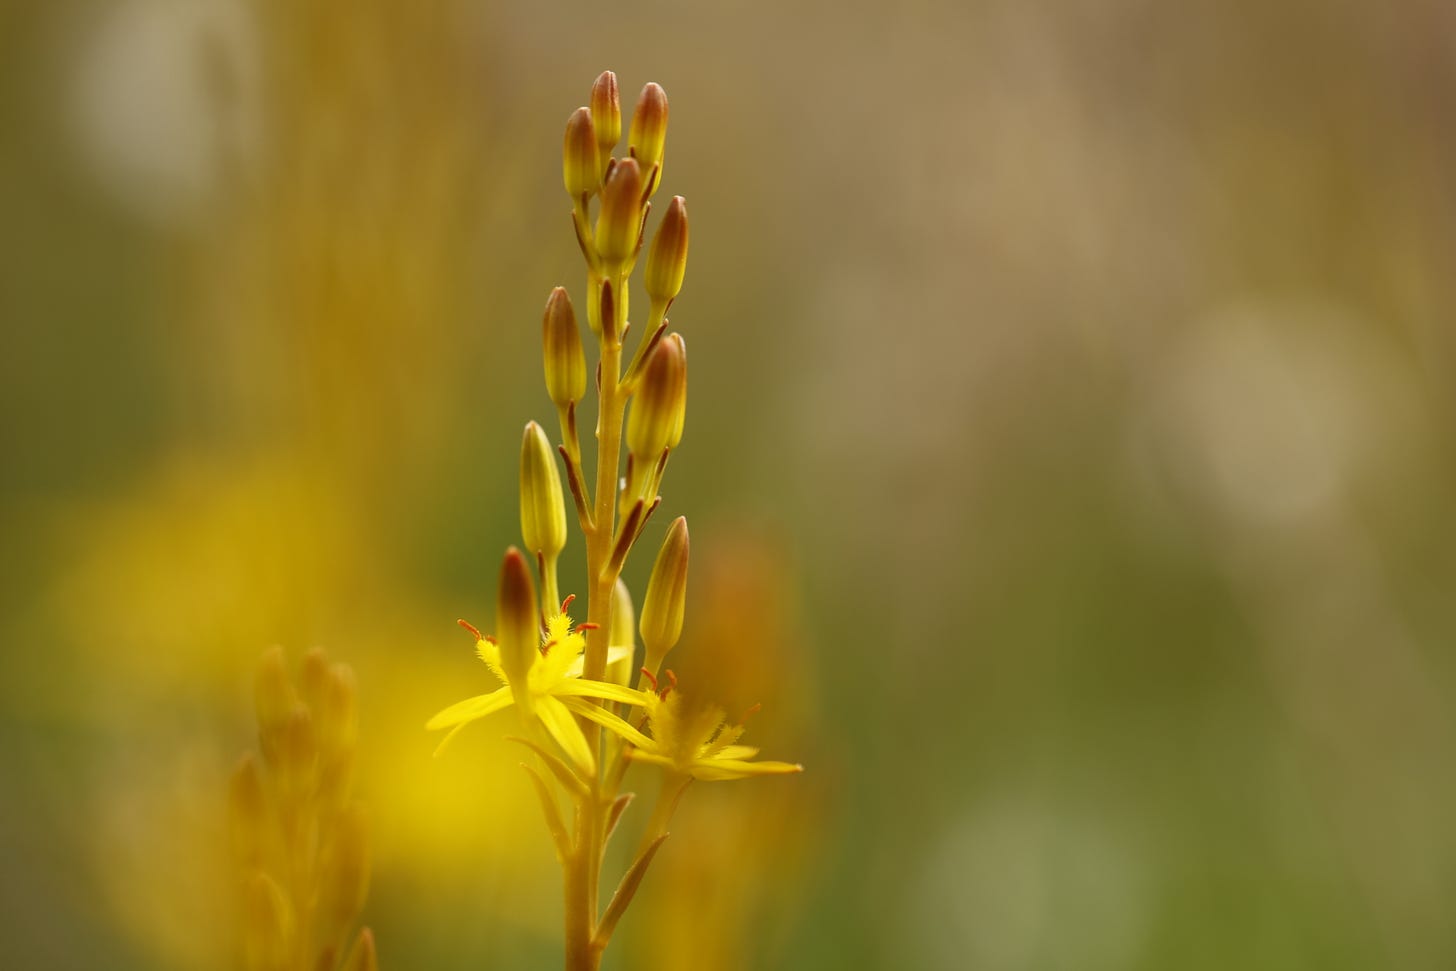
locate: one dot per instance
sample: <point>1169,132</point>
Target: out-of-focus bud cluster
<point>300,841</point>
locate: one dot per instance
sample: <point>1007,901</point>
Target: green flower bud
<point>667,261</point>
<point>543,508</point>
<point>562,351</point>
<point>662,610</point>
<point>620,221</point>
<point>581,170</point>
<point>648,136</point>
<point>606,112</point>
<point>656,419</point>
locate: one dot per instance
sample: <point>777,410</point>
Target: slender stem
<point>668,798</point>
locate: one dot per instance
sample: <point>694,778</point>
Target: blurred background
<point>1070,463</point>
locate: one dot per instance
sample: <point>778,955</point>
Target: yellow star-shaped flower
<point>553,689</point>
<point>697,741</point>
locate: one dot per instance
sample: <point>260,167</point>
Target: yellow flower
<point>698,741</point>
<point>554,689</point>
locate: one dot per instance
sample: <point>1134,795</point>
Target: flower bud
<point>274,699</point>
<point>622,633</point>
<point>662,610</point>
<point>516,625</point>
<point>543,509</point>
<point>606,112</point>
<point>580,169</point>
<point>667,261</point>
<point>565,360</point>
<point>656,418</point>
<point>248,811</point>
<point>620,220</point>
<point>648,136</point>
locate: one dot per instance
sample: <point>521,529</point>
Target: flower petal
<point>616,653</point>
<point>582,688</point>
<point>566,731</point>
<point>736,752</point>
<point>713,770</point>
<point>608,720</point>
<point>471,709</point>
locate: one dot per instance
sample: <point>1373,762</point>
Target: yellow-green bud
<point>667,261</point>
<point>648,136</point>
<point>517,628</point>
<point>622,634</point>
<point>606,112</point>
<point>543,508</point>
<point>662,610</point>
<point>565,360</point>
<point>620,221</point>
<point>580,169</point>
<point>656,419</point>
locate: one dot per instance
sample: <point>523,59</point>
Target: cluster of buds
<point>571,682</point>
<point>301,843</point>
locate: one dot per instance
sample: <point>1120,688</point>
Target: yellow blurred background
<point>1070,463</point>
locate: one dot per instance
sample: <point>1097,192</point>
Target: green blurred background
<point>1070,461</point>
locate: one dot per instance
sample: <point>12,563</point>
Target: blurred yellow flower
<point>698,741</point>
<point>553,686</point>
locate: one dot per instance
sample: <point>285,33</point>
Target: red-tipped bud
<point>543,510</point>
<point>666,601</point>
<point>580,168</point>
<point>648,136</point>
<point>606,112</point>
<point>620,221</point>
<point>656,418</point>
<point>667,261</point>
<point>516,625</point>
<point>562,351</point>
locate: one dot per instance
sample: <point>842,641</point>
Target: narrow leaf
<point>554,822</point>
<point>626,890</point>
<point>614,815</point>
<point>559,769</point>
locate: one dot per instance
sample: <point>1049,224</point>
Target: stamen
<point>672,683</point>
<point>567,602</point>
<point>649,676</point>
<point>474,630</point>
<point>546,648</point>
<point>753,710</point>
<point>588,626</point>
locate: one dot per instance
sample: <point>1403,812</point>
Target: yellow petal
<point>713,770</point>
<point>582,688</point>
<point>578,664</point>
<point>736,752</point>
<point>470,709</point>
<point>608,720</point>
<point>566,731</point>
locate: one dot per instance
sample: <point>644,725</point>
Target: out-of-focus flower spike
<point>648,136</point>
<point>606,113</point>
<point>248,809</point>
<point>517,626</point>
<point>543,506</point>
<point>581,170</point>
<point>667,260</point>
<point>339,712</point>
<point>268,924</point>
<point>274,699</point>
<point>620,219</point>
<point>666,601</point>
<point>362,956</point>
<point>563,354</point>
<point>344,873</point>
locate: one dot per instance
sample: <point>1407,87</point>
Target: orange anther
<point>473,629</point>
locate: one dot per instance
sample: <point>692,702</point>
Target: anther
<point>473,629</point>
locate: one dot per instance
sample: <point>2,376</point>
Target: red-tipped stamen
<point>567,602</point>
<point>649,676</point>
<point>581,627</point>
<point>754,709</point>
<point>473,629</point>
